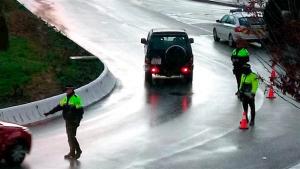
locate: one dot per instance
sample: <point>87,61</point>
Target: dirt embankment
<point>36,64</point>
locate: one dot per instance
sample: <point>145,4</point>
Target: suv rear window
<point>163,42</point>
<point>247,21</point>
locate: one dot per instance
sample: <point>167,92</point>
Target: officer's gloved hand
<point>238,93</point>
<point>46,114</point>
<point>252,95</point>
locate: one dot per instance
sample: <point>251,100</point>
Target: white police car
<point>238,24</point>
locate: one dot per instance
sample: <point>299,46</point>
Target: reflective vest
<point>249,83</point>
<point>74,101</point>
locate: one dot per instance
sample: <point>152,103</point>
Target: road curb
<point>33,113</point>
<point>220,3</point>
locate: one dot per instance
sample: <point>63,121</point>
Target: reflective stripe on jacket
<point>249,83</point>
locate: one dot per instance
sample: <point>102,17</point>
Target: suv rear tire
<point>148,77</point>
<point>189,78</point>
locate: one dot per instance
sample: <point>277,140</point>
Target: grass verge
<point>36,64</point>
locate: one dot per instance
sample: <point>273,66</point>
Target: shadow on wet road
<point>6,166</point>
<point>168,99</point>
<point>74,164</point>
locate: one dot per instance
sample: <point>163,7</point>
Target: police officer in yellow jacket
<point>71,105</point>
<point>247,90</point>
<point>239,57</point>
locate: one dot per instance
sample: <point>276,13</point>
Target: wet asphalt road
<point>169,125</point>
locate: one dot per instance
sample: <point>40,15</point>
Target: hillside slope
<point>36,65</point>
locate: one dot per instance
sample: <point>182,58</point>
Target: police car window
<point>230,20</point>
<point>256,20</point>
<point>247,21</point>
<point>224,19</point>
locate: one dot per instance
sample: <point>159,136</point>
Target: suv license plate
<point>156,61</point>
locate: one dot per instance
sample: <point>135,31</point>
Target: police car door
<point>221,27</point>
<point>229,26</point>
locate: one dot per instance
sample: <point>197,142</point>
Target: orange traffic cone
<point>244,122</point>
<point>273,75</point>
<point>271,93</point>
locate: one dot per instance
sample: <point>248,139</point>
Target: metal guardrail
<point>83,57</point>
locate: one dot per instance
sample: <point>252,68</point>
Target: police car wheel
<point>231,41</point>
<point>264,43</point>
<point>216,38</point>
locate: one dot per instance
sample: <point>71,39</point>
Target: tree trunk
<point>282,18</point>
<point>4,34</point>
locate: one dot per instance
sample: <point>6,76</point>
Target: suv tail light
<point>154,70</point>
<point>185,70</point>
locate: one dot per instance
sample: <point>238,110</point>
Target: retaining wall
<point>32,113</point>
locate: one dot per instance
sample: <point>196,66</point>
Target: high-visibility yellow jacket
<point>74,101</point>
<point>71,107</point>
<point>249,83</point>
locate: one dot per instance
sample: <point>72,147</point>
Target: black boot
<point>252,122</point>
<point>78,154</point>
<point>69,156</point>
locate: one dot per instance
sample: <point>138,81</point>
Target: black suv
<point>168,53</point>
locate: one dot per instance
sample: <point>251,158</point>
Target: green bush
<point>80,71</point>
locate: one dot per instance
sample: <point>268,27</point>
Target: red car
<point>15,143</point>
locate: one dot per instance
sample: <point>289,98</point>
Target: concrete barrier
<point>32,113</point>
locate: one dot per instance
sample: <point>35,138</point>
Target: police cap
<point>69,87</point>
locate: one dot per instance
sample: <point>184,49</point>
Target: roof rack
<point>236,10</point>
